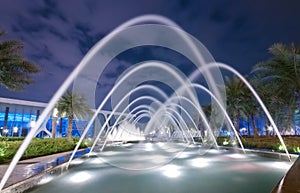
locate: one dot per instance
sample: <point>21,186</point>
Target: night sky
<point>58,33</point>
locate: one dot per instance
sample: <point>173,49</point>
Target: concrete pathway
<point>31,167</point>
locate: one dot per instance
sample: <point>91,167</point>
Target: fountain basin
<point>190,171</point>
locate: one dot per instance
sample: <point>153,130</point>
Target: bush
<point>37,147</point>
<point>270,143</point>
<point>11,138</point>
<point>8,149</point>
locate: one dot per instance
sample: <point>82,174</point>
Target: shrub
<point>270,143</point>
<point>37,147</point>
<point>11,138</point>
<point>8,149</point>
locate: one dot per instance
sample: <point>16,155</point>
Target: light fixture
<point>171,171</point>
<point>15,129</point>
<point>281,165</point>
<point>80,177</point>
<point>32,123</point>
<point>55,112</point>
<point>199,162</point>
<point>148,147</point>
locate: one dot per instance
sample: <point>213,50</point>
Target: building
<point>17,117</point>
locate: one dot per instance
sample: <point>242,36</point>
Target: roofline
<point>40,104</point>
<point>22,102</point>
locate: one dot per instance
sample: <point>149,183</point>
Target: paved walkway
<point>31,167</point>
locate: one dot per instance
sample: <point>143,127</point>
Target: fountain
<point>136,156</point>
<point>125,132</point>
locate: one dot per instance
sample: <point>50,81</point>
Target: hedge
<point>269,143</point>
<point>37,147</point>
<point>40,147</point>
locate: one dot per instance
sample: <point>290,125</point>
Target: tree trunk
<point>54,120</point>
<point>70,124</point>
<point>60,126</point>
<point>267,132</point>
<point>290,120</point>
<point>253,125</point>
<point>236,123</point>
<point>269,125</point>
<point>248,129</point>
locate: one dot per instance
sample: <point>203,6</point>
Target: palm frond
<point>15,70</point>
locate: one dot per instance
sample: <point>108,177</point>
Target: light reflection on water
<point>217,171</point>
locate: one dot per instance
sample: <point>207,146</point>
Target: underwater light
<point>184,155</point>
<point>97,161</point>
<point>281,165</point>
<point>160,144</point>
<point>199,162</point>
<point>237,156</point>
<point>214,151</point>
<point>171,171</point>
<point>80,177</point>
<point>148,147</point>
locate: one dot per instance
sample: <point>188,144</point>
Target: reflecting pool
<point>130,168</point>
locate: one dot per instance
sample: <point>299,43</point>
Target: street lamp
<point>54,122</point>
<point>5,131</point>
<point>15,129</point>
<point>32,123</point>
<point>55,112</point>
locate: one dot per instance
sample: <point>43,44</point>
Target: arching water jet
<point>224,66</point>
<point>142,66</point>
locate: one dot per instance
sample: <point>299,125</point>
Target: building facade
<point>17,117</point>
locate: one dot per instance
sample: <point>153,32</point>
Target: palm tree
<point>280,75</point>
<point>273,103</point>
<point>211,115</point>
<point>250,110</point>
<point>72,106</point>
<point>240,102</point>
<point>15,70</point>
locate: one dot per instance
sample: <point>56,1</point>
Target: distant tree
<point>72,105</point>
<point>211,115</point>
<point>240,102</point>
<point>274,104</point>
<point>250,110</point>
<point>15,70</point>
<point>280,76</point>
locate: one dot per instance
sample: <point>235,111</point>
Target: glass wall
<point>17,120</point>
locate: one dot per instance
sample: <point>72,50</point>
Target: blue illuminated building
<point>18,116</point>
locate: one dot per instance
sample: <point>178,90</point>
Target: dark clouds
<point>57,34</point>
